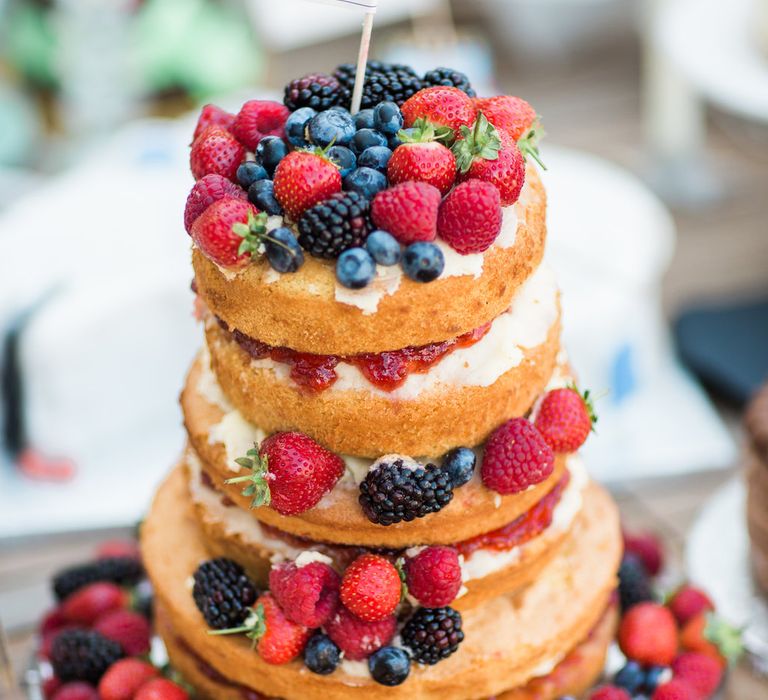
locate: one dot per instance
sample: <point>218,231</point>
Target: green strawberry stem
<point>589,403</point>
<point>424,131</point>
<point>258,484</point>
<point>529,143</point>
<point>400,566</point>
<point>481,141</point>
<point>254,234</point>
<point>726,637</point>
<point>254,626</point>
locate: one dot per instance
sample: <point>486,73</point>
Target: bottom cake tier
<point>516,645</point>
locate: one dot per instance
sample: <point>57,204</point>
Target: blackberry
<point>393,82</point>
<point>332,226</point>
<point>634,583</point>
<point>433,634</point>
<point>125,571</point>
<point>223,593</point>
<point>449,77</point>
<point>83,655</point>
<point>395,491</point>
<point>316,90</point>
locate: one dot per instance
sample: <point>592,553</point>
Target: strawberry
<point>646,547</point>
<point>357,638</point>
<point>207,190</point>
<point>230,232</point>
<point>304,178</point>
<point>421,158</point>
<point>49,637</point>
<point>128,628</point>
<point>120,548</point>
<point>76,690</point>
<point>482,153</point>
<point>708,634</point>
<point>216,151</point>
<point>408,211</point>
<point>433,576</point>
<point>161,689</point>
<point>53,620</point>
<point>308,594</point>
<point>50,686</point>
<point>610,692</point>
<point>290,472</point>
<point>676,689</point>
<point>371,588</point>
<point>124,678</point>
<point>441,105</point>
<point>257,119</point>
<point>515,117</point>
<point>565,418</point>
<point>469,219</point>
<point>211,115</point>
<point>85,605</point>
<point>688,601</point>
<point>701,672</point>
<point>648,634</point>
<point>516,457</point>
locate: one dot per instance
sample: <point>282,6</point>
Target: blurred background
<point>657,153</point>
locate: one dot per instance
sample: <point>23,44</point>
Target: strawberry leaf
<point>529,143</point>
<point>253,234</point>
<point>589,403</point>
<point>254,627</point>
<point>424,131</point>
<point>482,142</point>
<point>257,482</point>
<point>400,566</point>
<point>726,637</point>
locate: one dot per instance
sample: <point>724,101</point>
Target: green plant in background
<point>28,42</point>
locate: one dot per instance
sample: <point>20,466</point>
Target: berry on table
<point>709,634</point>
<point>295,126</point>
<point>387,118</point>
<point>290,471</point>
<point>249,172</point>
<point>302,179</point>
<point>161,689</point>
<point>648,634</point>
<point>389,666</point>
<point>86,604</point>
<point>459,463</point>
<point>421,158</point>
<point>676,689</point>
<point>357,638</point>
<point>215,151</point>
<point>308,594</point>
<point>647,547</point>
<point>76,690</point>
<point>383,247</point>
<point>433,634</point>
<point>565,418</point>
<point>654,677</point>
<point>631,677</point>
<point>394,491</point>
<point>262,194</point>
<point>433,576</point>
<point>125,571</point>
<point>634,583</point>
<point>283,250</point>
<point>366,138</point>
<point>371,587</point>
<point>211,115</point>
<point>124,678</point>
<point>130,629</point>
<point>689,601</point>
<point>270,151</point>
<point>610,692</point>
<point>119,549</point>
<point>423,261</point>
<point>355,268</point>
<point>257,119</point>
<point>321,655</point>
<point>516,457</point>
<point>366,182</point>
<point>316,90</point>
<point>391,82</point>
<point>408,211</point>
<point>470,217</point>
<point>331,127</point>
<point>376,157</point>
<point>83,655</point>
<point>701,672</point>
<point>448,77</point>
<point>344,158</point>
<point>442,106</point>
<point>223,593</point>
<point>335,224</point>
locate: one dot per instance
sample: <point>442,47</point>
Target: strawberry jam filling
<point>385,370</point>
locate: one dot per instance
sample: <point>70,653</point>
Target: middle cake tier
<point>417,401</point>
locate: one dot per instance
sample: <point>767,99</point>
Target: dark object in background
<point>726,346</point>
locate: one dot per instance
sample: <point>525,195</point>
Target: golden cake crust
<point>300,311</point>
<point>370,424</point>
<point>506,640</point>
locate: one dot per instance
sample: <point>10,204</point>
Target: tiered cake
<point>380,495</point>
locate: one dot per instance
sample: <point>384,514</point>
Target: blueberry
<point>389,665</point>
<point>423,262</point>
<point>631,677</point>
<point>383,247</point>
<point>365,138</point>
<point>355,268</point>
<point>387,118</point>
<point>262,194</point>
<point>294,126</point>
<point>364,119</point>
<point>375,157</point>
<point>459,464</point>
<point>654,677</point>
<point>270,151</point>
<point>331,126</point>
<point>283,250</point>
<point>393,142</point>
<point>344,158</point>
<point>321,655</point>
<point>367,181</point>
<point>249,172</point>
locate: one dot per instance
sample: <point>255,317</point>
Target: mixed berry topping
<point>565,418</point>
<point>433,634</point>
<point>433,576</point>
<point>223,593</point>
<point>321,168</point>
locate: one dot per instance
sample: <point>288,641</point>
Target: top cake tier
<point>412,222</point>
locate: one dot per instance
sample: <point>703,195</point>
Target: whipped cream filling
<point>524,325</point>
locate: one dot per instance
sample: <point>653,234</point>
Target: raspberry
<point>211,115</point>
<point>516,457</point>
<point>469,219</point>
<point>408,211</point>
<point>371,588</point>
<point>688,602</point>
<point>334,225</point>
<point>357,638</point>
<point>610,692</point>
<point>206,191</point>
<point>701,672</point>
<point>308,594</point>
<point>316,90</point>
<point>434,576</point>
<point>223,593</point>
<point>83,655</point>
<point>565,419</point>
<point>384,82</point>
<point>676,689</point>
<point>130,629</point>
<point>647,547</point>
<point>433,634</point>
<point>123,570</point>
<point>648,634</point>
<point>257,119</point>
<point>124,678</point>
<point>89,603</point>
<point>634,583</point>
<point>449,77</point>
<point>76,690</point>
<point>215,151</point>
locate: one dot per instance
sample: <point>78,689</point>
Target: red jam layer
<point>521,529</point>
<point>385,370</point>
